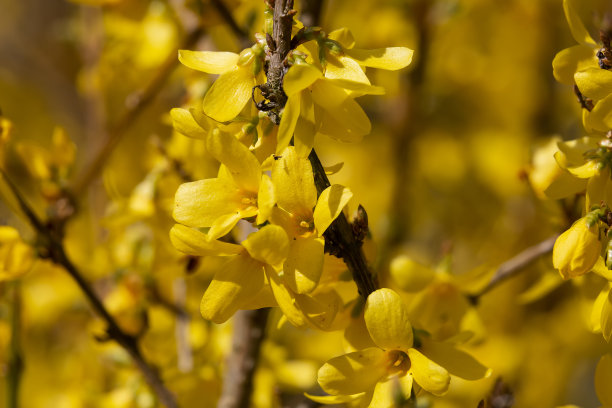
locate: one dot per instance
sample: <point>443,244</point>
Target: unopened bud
<point>246,56</point>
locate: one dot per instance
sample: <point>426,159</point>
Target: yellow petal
<point>456,361</point>
<point>594,83</point>
<point>392,58</point>
<point>342,118</point>
<point>223,225</point>
<point>239,160</point>
<point>600,117</point>
<point>288,121</point>
<point>603,379</point>
<point>16,257</point>
<point>209,61</point>
<point>305,129</point>
<point>606,317</point>
<point>184,123</point>
<point>599,188</point>
<point>36,159</point>
<point>263,298</point>
<point>294,184</point>
<point>333,169</point>
<point>354,372</point>
<point>200,203</point>
<point>579,33</point>
<point>429,375</point>
<point>574,150</point>
<point>357,89</point>
<point>572,59</point>
<point>594,321</point>
<point>300,77</point>
<point>585,171</point>
<point>386,318</point>
<point>229,94</point>
<point>602,270</point>
<point>388,392</point>
<point>334,399</point>
<point>357,336</point>
<point>194,242</point>
<point>329,206</point>
<point>286,301</point>
<point>265,199</point>
<point>304,265</point>
<point>269,245</point>
<point>343,67</point>
<point>576,250</point>
<point>320,309</point>
<point>410,275</point>
<point>240,278</point>
<point>343,36</point>
<point>64,149</point>
<point>545,285</point>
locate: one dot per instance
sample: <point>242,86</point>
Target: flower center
<point>398,361</point>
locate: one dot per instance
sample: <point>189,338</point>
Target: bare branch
<point>133,112</point>
<point>49,242</point>
<point>517,264</point>
<point>15,363</point>
<point>241,362</point>
<point>340,239</point>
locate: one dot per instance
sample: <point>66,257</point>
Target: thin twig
<point>517,264</point>
<point>50,245</point>
<point>15,363</point>
<point>241,362</point>
<point>133,112</point>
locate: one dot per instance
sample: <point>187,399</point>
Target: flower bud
<point>246,56</point>
<point>410,275</point>
<point>577,249</point>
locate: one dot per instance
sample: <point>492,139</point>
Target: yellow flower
<point>240,191</point>
<point>578,57</point>
<point>321,96</point>
<point>577,250</point>
<point>233,89</point>
<point>241,282</point>
<point>586,159</point>
<point>547,178</point>
<point>16,257</point>
<point>373,376</point>
<point>439,304</point>
<point>587,68</point>
<point>304,218</point>
<point>603,378</point>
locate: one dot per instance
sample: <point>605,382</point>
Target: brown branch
<point>340,239</point>
<point>49,245</point>
<point>241,362</point>
<point>517,264</point>
<point>15,363</point>
<point>138,104</point>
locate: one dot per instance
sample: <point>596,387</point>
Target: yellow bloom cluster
<point>581,165</point>
<point>266,179</point>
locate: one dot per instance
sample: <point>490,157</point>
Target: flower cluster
<point>263,217</point>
